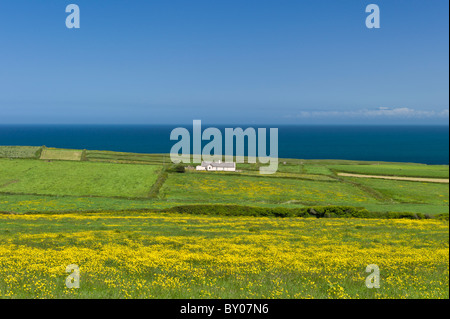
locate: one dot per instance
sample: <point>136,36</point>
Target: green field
<point>120,157</point>
<point>20,151</point>
<point>59,154</point>
<point>115,180</point>
<point>207,187</point>
<point>407,191</point>
<point>44,203</point>
<point>36,177</point>
<point>411,170</point>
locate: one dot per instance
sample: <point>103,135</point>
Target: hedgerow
<point>315,211</point>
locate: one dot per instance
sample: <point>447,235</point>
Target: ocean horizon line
<point>388,143</point>
<point>223,124</point>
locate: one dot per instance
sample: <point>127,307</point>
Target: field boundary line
<point>160,180</point>
<point>369,191</point>
<point>73,196</point>
<point>9,183</point>
<point>399,178</point>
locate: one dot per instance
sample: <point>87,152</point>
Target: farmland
<point>407,191</point>
<point>59,154</point>
<point>113,180</point>
<point>71,178</point>
<point>20,151</point>
<point>223,188</point>
<point>113,215</point>
<point>407,170</point>
<point>146,255</point>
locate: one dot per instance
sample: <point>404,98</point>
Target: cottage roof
<point>219,164</point>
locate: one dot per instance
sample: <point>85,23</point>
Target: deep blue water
<point>418,144</point>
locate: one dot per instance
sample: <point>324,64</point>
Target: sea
<point>413,144</point>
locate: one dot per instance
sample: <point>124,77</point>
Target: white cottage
<point>217,166</point>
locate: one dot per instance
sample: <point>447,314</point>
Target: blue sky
<point>234,61</point>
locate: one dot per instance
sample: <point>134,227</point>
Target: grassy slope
<point>436,171</point>
<point>297,183</point>
<point>207,187</point>
<point>72,178</point>
<point>407,191</point>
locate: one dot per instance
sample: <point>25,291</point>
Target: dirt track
<point>413,179</point>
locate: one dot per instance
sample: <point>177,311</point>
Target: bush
<point>443,216</point>
<point>282,212</point>
<point>179,168</point>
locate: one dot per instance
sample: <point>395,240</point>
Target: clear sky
<point>224,61</point>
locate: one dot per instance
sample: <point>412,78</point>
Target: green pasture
<point>121,157</point>
<point>61,154</point>
<point>410,170</point>
<point>76,178</point>
<point>207,187</point>
<point>116,180</point>
<point>408,191</point>
<point>45,203</point>
<point>20,151</point>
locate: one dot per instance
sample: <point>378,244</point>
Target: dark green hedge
<point>282,212</point>
<point>178,168</point>
<point>316,211</point>
<point>443,216</point>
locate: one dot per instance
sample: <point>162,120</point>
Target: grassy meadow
<point>23,176</point>
<point>255,189</point>
<point>411,170</point>
<point>146,255</point>
<point>60,154</point>
<point>97,180</point>
<point>110,213</point>
<point>20,151</point>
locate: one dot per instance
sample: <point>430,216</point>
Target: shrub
<point>282,212</point>
<point>179,168</point>
<point>443,216</point>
